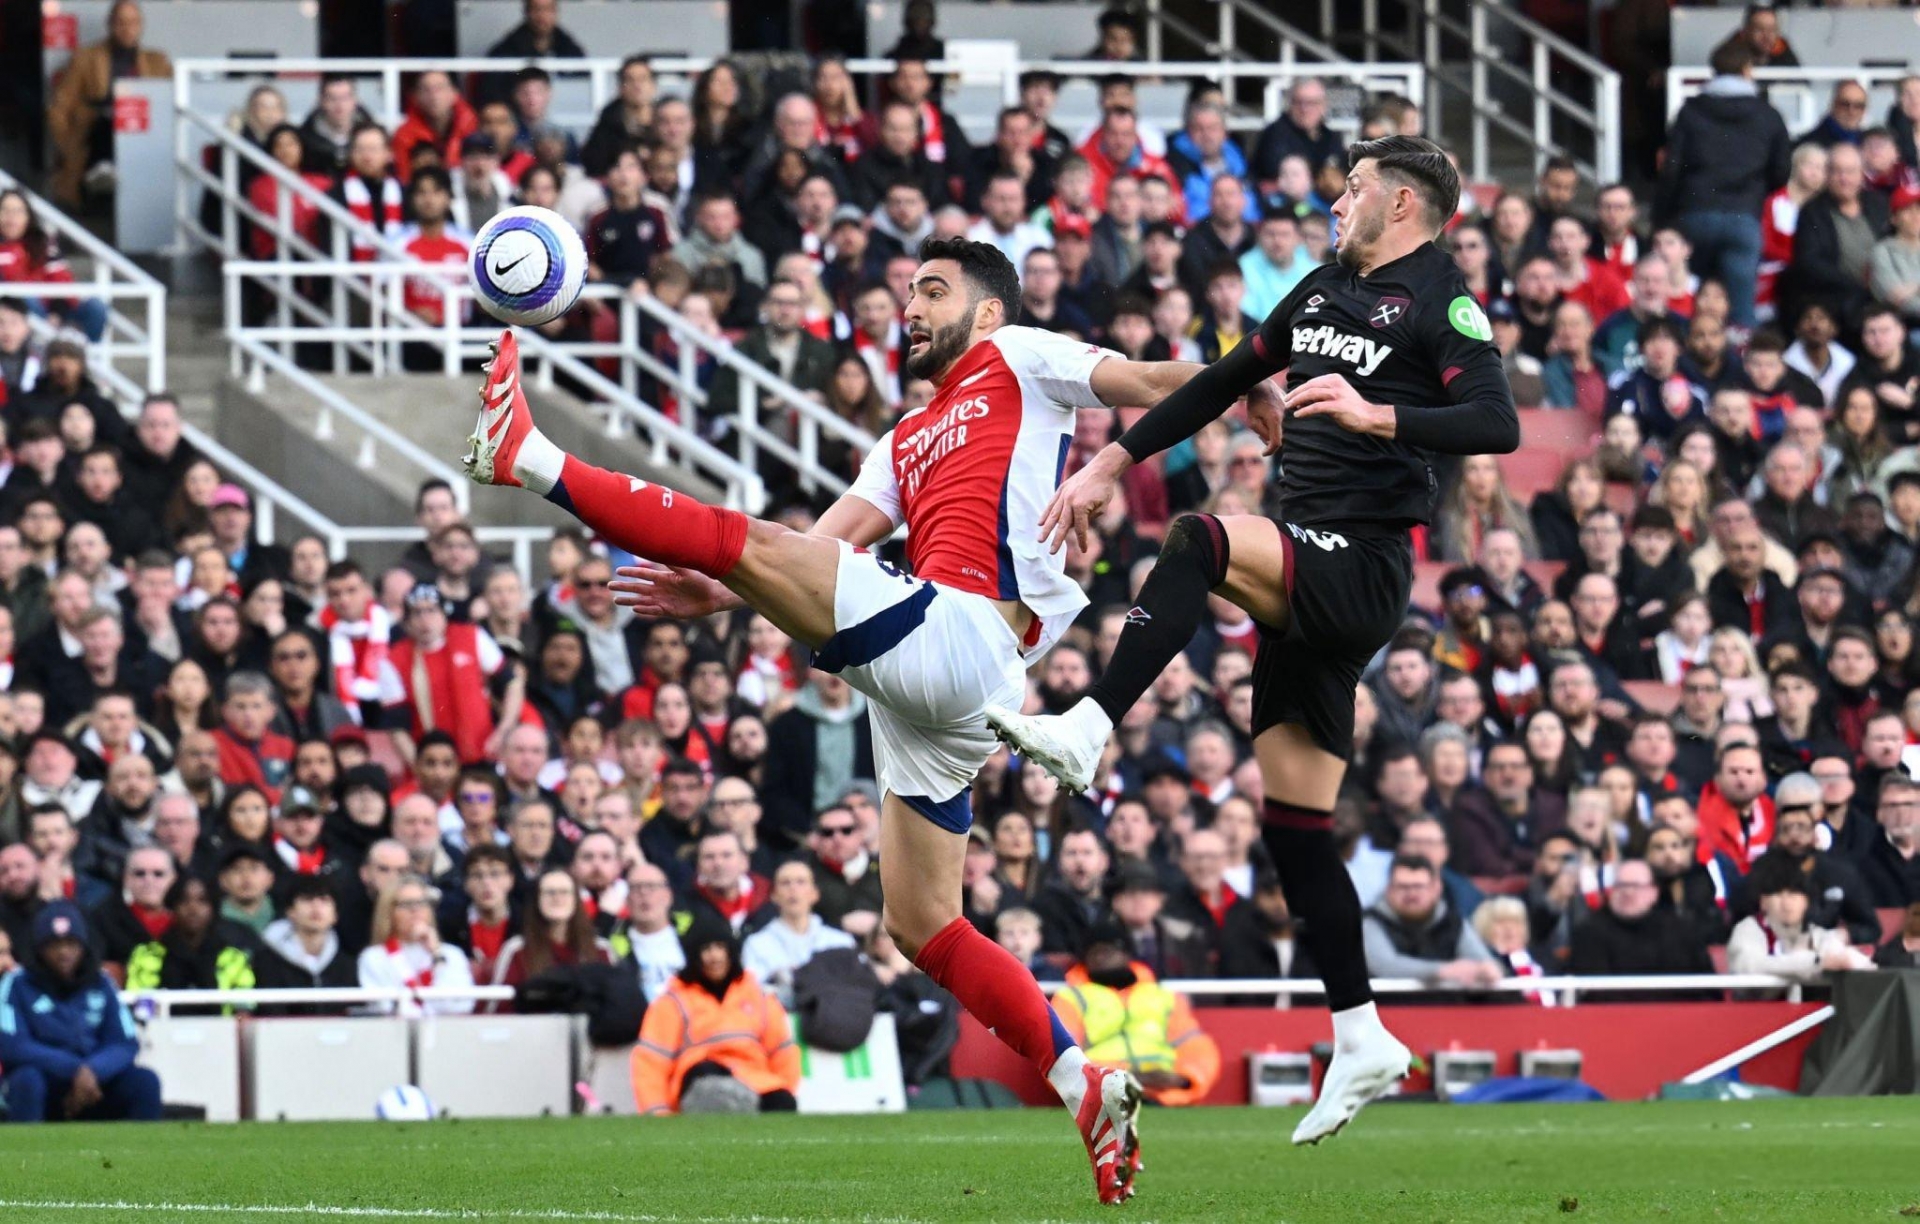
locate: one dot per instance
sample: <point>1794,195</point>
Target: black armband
<point>1204,397</point>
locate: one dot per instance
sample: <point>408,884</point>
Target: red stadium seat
<point>1531,470</point>
<point>1565,430</point>
<point>1653,695</point>
<point>1891,922</point>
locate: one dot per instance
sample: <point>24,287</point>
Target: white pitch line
<point>383,1213</point>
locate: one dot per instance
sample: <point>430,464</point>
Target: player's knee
<point>910,927</point>
<point>1198,539</point>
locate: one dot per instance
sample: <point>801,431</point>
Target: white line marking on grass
<point>384,1213</point>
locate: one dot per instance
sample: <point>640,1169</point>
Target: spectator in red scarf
<point>297,842</point>
<point>139,914</point>
<point>555,931</point>
<point>478,918</point>
<point>724,885</point>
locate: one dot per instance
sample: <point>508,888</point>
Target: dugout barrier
<point>1628,1050</point>
<point>239,1067</point>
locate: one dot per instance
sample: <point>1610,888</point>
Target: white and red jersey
<point>971,473</point>
<point>424,295</point>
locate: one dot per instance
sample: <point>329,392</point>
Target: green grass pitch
<point>1792,1160</point>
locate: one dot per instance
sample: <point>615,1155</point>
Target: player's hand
<point>1331,395</point>
<point>658,592</point>
<point>1266,410</point>
<point>1080,500</point>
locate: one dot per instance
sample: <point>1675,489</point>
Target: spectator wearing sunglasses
<point>848,877</point>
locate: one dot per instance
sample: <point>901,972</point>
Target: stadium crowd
<point>1661,702</point>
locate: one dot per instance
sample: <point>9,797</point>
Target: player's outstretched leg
<point>1367,1059</point>
<point>1196,558</point>
<point>921,868</point>
<point>787,576</point>
<point>507,449</point>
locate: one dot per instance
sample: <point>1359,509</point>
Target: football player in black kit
<point>1388,358</point>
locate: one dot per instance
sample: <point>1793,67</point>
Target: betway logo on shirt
<point>1328,341</point>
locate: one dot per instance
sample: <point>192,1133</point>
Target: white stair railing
<point>360,314</point>
<point>1570,101</point>
<point>1801,95</point>
<point>363,321</point>
<point>115,279</point>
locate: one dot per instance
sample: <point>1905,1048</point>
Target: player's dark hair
<point>1415,162</point>
<point>988,271</point>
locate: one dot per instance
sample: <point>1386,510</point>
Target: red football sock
<point>650,520</point>
<point>997,989</point>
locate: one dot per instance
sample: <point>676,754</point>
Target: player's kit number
<point>1325,541</point>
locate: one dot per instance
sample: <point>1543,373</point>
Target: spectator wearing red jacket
<point>1591,282</point>
<point>29,255</point>
<point>283,145</point>
<point>443,670</point>
<point>437,116</point>
<point>1115,149</point>
<point>250,753</point>
<point>1736,815</point>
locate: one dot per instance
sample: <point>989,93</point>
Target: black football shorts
<point>1348,595</point>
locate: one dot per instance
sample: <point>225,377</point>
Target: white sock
<point>1087,718</point>
<point>538,464</point>
<point>1357,1026</point>
<point>1067,1075</point>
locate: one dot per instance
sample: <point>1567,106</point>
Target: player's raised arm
<point>1181,397</point>
<point>1478,418</point>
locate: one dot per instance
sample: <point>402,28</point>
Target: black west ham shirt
<point>1409,334</point>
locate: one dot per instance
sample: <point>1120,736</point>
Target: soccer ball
<point>527,266</point>
<point>403,1103</point>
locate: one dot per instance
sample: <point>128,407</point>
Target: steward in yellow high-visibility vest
<point>1123,1017</point>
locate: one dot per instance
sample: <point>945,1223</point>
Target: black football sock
<point>1321,897</point>
<point>1172,604</point>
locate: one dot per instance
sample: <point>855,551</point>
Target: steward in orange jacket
<point>714,1021</point>
<point>1123,1017</point>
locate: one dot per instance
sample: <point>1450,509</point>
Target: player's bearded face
<point>933,346</point>
<point>1362,228</point>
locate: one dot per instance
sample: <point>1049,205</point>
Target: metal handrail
<point>1685,80</point>
<point>1567,987</point>
<point>458,341</point>
<point>602,73</point>
<point>671,441</point>
<point>115,277</point>
<point>1533,71</point>
<point>743,485</point>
